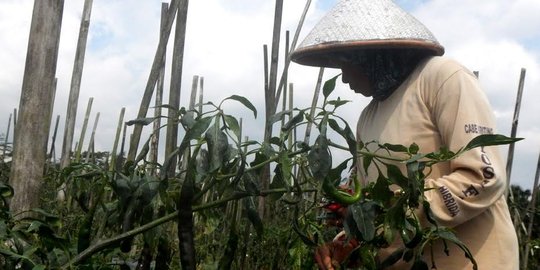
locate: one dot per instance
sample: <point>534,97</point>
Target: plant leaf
<point>141,121</point>
<point>329,86</point>
<point>490,139</point>
<point>245,102</point>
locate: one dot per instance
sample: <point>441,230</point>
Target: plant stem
<point>102,244</point>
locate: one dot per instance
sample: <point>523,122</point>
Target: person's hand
<point>331,255</point>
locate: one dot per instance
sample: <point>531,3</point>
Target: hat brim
<point>321,55</point>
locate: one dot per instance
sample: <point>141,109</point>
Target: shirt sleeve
<point>477,178</point>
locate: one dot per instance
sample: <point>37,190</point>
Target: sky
<point>224,44</point>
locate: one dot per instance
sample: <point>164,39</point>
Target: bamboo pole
<point>270,95</point>
<point>285,74</point>
<point>14,122</point>
<point>52,153</point>
<point>83,131</point>
<point>71,114</point>
<point>112,164</point>
<point>531,209</point>
<point>154,143</point>
<point>201,94</point>
<point>152,78</point>
<point>516,216</point>
<point>6,138</point>
<point>282,81</point>
<point>171,137</point>
<point>514,127</point>
<point>92,136</point>
<point>32,129</point>
<point>191,106</point>
<point>314,101</point>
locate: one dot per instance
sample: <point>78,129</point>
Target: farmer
<point>419,97</point>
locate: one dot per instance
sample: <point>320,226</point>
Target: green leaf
<point>490,139</point>
<point>278,116</point>
<point>292,123</point>
<point>200,126</point>
<point>233,125</point>
<point>329,86</point>
<point>141,121</point>
<point>245,102</point>
<point>447,235</point>
<point>381,191</point>
<point>413,148</point>
<point>346,133</point>
<point>319,158</point>
<point>188,120</point>
<point>398,148</point>
<point>364,215</point>
<point>218,147</point>
<point>144,151</point>
<point>286,166</point>
<point>395,176</point>
<point>366,161</point>
<point>338,102</point>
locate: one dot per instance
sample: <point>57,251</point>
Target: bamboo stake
<point>112,164</point>
<point>152,78</point>
<point>314,104</point>
<point>171,138</point>
<point>83,131</point>
<point>516,216</point>
<point>52,153</point>
<point>75,87</point>
<point>201,96</point>
<point>285,74</point>
<point>154,143</point>
<point>270,92</point>
<point>32,130</point>
<point>531,209</point>
<point>6,138</point>
<point>265,63</point>
<point>194,85</point>
<point>14,122</point>
<point>282,81</point>
<point>91,143</point>
<point>514,127</point>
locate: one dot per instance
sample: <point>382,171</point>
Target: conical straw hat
<point>364,24</point>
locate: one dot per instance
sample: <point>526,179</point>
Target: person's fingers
<point>323,257</point>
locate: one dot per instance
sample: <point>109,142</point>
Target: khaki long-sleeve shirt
<point>441,104</point>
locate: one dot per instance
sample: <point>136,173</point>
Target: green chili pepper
<point>341,196</point>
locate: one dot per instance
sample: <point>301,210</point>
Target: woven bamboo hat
<point>363,24</point>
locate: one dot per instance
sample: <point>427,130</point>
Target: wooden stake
<point>71,114</point>
<point>83,131</point>
<point>112,164</point>
<point>514,127</point>
<point>91,143</point>
<point>52,153</point>
<point>532,210</point>
<point>314,104</point>
<point>32,129</point>
<point>282,81</point>
<point>152,78</point>
<point>171,138</point>
<point>154,143</point>
<point>6,139</point>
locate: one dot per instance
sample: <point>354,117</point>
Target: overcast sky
<point>224,45</point>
